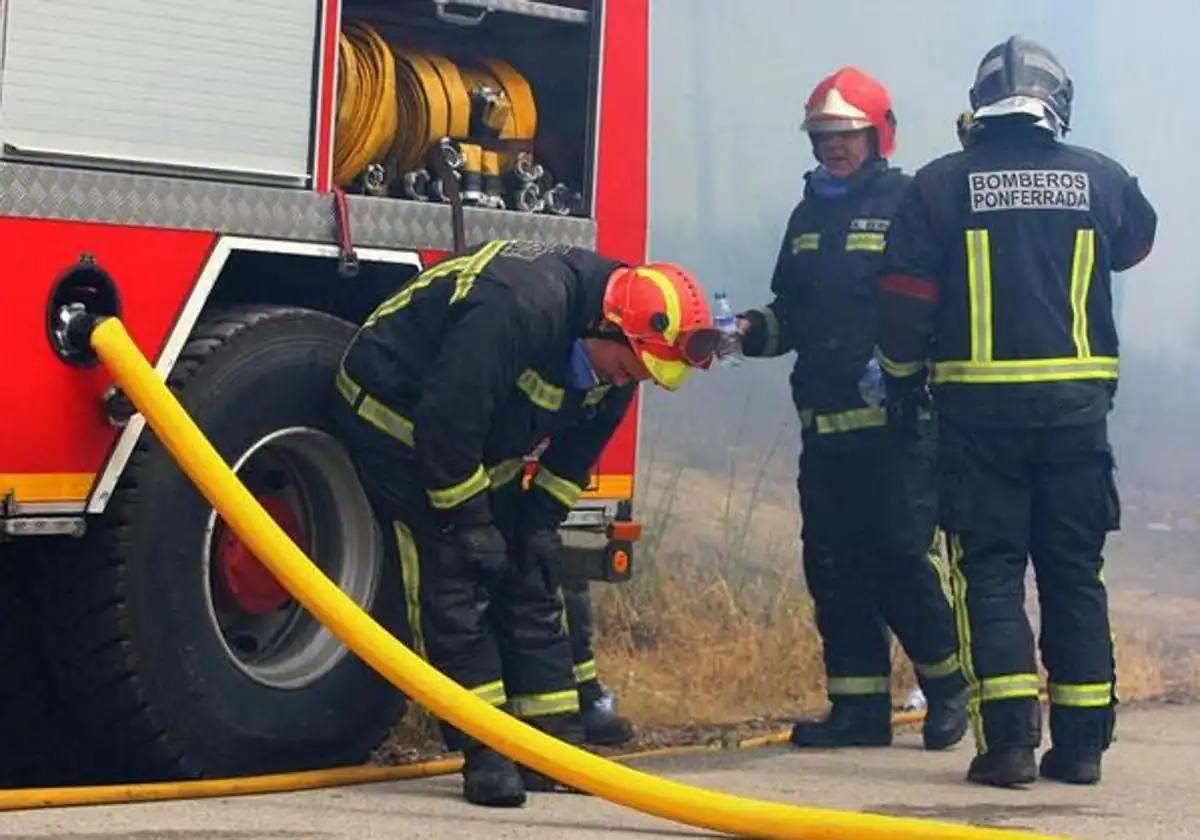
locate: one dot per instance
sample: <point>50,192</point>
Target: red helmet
<point>850,100</point>
<point>662,312</point>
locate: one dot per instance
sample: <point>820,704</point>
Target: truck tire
<point>182,657</point>
<point>40,746</point>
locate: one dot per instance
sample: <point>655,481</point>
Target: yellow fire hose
<point>28,799</point>
<point>442,696</point>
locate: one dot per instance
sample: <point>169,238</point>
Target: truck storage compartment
<point>511,83</point>
<point>222,86</point>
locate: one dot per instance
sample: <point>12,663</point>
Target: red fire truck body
<point>172,163</point>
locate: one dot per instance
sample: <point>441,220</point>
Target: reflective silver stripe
<point>979,294</point>
<point>1008,687</point>
<point>449,497</point>
<point>410,569</point>
<point>1081,281</point>
<point>491,693</point>
<point>898,369</point>
<point>1082,695</point>
<point>506,471</point>
<point>866,242</point>
<point>586,671</point>
<point>549,703</point>
<point>842,686</point>
<point>566,492</point>
<point>540,392</point>
<point>938,669</point>
<point>851,421</point>
<point>1027,370</point>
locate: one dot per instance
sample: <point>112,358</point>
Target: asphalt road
<point>1151,790</point>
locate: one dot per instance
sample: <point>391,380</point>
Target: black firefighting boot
<point>1009,767</point>
<point>864,721</point>
<point>1076,767</point>
<point>491,779</point>
<point>568,728</point>
<point>602,725</point>
<point>945,720</point>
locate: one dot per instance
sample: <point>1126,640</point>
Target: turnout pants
<point>503,639</point>
<point>1046,494</point>
<point>578,599</point>
<point>872,562</point>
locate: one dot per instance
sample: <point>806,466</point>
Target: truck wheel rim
<point>310,487</point>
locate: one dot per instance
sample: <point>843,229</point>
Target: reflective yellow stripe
<point>504,472</point>
<point>941,567</point>
<point>865,242</point>
<point>410,569</point>
<point>844,686</point>
<point>386,420</point>
<point>540,392</point>
<point>449,497</point>
<point>347,387</point>
<point>467,267</point>
<point>962,619</point>
<point>851,421</point>
<point>476,264</point>
<point>1081,281</point>
<point>567,492</point>
<point>595,395</point>
<point>898,369</point>
<point>1027,370</point>
<point>491,693</point>
<point>586,671</point>
<point>939,669</point>
<point>670,299</point>
<point>771,344</point>
<point>1008,687</point>
<point>806,242</point>
<point>1081,695</point>
<point>390,422</point>
<point>550,703</point>
<point>979,294</point>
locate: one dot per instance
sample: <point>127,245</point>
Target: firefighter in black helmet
<point>866,495</point>
<point>998,271</point>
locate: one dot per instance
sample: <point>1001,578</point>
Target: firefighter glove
<point>909,410</point>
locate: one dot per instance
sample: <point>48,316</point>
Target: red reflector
<point>625,531</point>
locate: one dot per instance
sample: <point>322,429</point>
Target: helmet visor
<point>666,373</point>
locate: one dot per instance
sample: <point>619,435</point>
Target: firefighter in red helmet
<point>446,389</point>
<point>866,490</point>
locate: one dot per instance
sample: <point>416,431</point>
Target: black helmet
<point>1023,77</point>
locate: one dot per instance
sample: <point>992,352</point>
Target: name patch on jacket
<point>870,225</point>
<point>1029,189</point>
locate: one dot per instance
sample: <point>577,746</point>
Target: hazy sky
<point>728,83</point>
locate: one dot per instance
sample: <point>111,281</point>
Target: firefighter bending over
<point>999,266</point>
<point>445,389</point>
<point>866,491</point>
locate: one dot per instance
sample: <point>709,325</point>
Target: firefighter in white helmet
<point>866,490</point>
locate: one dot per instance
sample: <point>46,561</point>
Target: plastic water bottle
<point>729,348</point>
<point>915,702</point>
<point>871,386</point>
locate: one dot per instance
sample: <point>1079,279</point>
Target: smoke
<point>728,83</point>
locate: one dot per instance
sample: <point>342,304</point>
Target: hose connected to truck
<point>439,694</point>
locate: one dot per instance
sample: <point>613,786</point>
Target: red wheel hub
<point>254,589</point>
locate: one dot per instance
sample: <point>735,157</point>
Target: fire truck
<point>242,182</point>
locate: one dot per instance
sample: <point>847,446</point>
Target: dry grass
<point>717,626</point>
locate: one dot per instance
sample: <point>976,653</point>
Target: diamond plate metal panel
<point>51,192</point>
